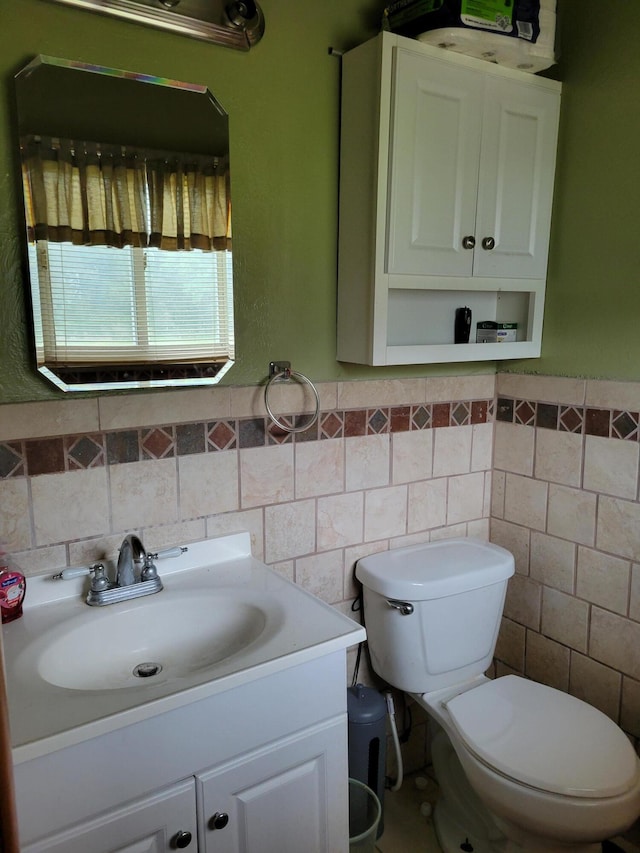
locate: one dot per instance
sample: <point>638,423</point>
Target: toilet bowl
<point>550,771</point>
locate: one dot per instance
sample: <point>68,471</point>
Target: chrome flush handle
<point>405,608</point>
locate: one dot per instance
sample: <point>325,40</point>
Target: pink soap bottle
<point>13,586</point>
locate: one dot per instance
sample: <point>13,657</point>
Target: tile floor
<point>409,829</point>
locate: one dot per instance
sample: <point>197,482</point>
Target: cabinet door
<point>435,145</point>
<point>289,798</point>
<point>157,824</point>
<point>515,192</point>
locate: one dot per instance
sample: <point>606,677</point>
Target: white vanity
<point>238,742</point>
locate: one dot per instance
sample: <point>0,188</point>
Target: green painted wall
<point>592,314</point>
<point>283,101</point>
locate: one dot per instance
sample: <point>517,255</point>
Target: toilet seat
<point>544,738</point>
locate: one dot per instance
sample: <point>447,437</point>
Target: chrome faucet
<point>132,555</point>
<point>136,574</point>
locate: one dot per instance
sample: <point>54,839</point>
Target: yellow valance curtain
<point>89,193</point>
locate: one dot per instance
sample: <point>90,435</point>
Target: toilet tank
<point>432,611</point>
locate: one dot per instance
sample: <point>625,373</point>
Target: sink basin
<point>150,641</point>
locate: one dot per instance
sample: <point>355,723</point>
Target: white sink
<point>149,641</point>
<point>223,620</point>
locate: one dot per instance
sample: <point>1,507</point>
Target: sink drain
<point>147,670</point>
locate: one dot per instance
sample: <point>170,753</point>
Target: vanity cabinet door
<point>288,798</point>
<point>159,823</point>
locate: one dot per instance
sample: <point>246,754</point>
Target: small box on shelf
<point>489,331</point>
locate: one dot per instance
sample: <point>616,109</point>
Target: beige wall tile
<point>479,529</point>
<point>286,569</point>
<point>604,580</point>
<point>465,498</point>
<point>452,451</point>
<point>56,417</point>
<point>547,661</point>
<point>558,457</point>
<point>208,483</point>
<point>340,521</point>
<point>15,526</point>
<point>169,535</point>
<point>427,505</point>
<point>143,494</point>
<point>618,528</point>
<point>553,561</point>
<point>565,619</point>
<point>510,645</point>
<point>630,711</point>
<point>136,410</point>
<point>322,575</point>
<point>250,520</point>
<point>411,539</point>
<point>498,482</point>
<point>513,448</point>
<point>367,462</point>
<point>374,393</point>
<point>319,467</point>
<point>444,388</point>
<point>525,501</point>
<point>451,531</point>
<point>611,466</point>
<point>615,641</point>
<point>548,389</point>
<point>385,512</point>
<point>351,557</point>
<point>289,530</point>
<point>523,601</point>
<point>607,394</point>
<point>572,514</point>
<point>515,539</point>
<point>488,492</point>
<point>481,447</point>
<point>596,684</point>
<point>74,505</point>
<point>102,549</point>
<point>634,595</point>
<point>266,475</point>
<point>42,561</point>
<point>411,456</point>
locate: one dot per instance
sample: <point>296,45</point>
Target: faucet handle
<point>168,552</point>
<point>149,571</point>
<point>82,571</point>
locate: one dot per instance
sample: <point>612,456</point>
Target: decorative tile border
<point>31,457</point>
<point>583,420</point>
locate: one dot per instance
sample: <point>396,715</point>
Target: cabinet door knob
<point>488,243</point>
<point>182,840</point>
<point>468,242</point>
<point>219,820</point>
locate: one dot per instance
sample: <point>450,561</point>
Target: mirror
<point>128,220</point>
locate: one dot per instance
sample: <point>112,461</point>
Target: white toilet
<point>520,765</point>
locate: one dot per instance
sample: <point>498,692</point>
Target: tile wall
<point>566,503</point>
<point>388,463</point>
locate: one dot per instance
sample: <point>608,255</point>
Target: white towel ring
<point>281,371</point>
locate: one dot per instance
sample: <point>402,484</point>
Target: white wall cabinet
<point>261,768</point>
<point>447,170</point>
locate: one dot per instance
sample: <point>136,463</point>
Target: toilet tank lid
<point>435,569</point>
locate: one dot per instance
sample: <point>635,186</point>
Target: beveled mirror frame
<point>232,23</point>
<point>197,115</point>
